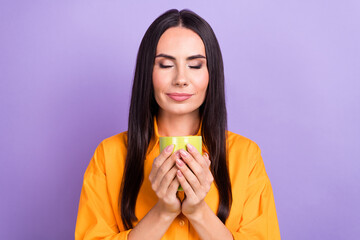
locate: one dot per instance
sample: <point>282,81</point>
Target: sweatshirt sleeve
<point>95,219</point>
<point>259,219</point>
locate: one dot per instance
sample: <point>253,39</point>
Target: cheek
<point>156,79</point>
<point>203,82</point>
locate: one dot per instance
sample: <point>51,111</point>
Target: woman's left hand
<point>195,178</point>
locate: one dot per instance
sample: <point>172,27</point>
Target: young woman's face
<point>180,74</point>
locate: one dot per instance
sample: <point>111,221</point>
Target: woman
<point>130,188</point>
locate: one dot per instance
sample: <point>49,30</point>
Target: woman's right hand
<point>164,182</point>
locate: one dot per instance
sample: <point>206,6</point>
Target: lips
<point>179,97</point>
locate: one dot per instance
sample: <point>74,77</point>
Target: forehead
<point>180,41</point>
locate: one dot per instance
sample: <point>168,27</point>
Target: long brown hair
<point>143,108</point>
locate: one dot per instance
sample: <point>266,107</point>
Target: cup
<point>180,143</point>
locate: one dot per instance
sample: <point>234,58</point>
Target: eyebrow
<point>173,58</point>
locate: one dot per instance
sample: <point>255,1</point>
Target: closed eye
<point>169,66</point>
<point>165,66</point>
<point>196,67</point>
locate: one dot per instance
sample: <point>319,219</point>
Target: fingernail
<point>206,155</point>
<point>179,162</point>
<point>190,147</point>
<point>183,152</point>
<point>177,154</point>
<point>169,148</point>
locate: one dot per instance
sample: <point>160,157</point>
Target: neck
<point>178,125</point>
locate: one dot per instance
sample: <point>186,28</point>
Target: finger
<point>164,169</point>
<point>206,156</point>
<point>166,181</point>
<point>195,167</point>
<point>188,174</point>
<point>196,155</point>
<point>209,175</point>
<point>189,192</point>
<point>174,185</point>
<point>159,160</point>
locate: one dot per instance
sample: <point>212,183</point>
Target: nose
<point>180,79</point>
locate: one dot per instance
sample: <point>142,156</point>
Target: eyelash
<point>168,66</point>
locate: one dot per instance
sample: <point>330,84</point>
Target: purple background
<point>292,73</point>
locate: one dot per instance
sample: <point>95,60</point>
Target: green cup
<point>180,143</point>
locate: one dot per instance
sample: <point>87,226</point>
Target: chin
<point>180,111</point>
